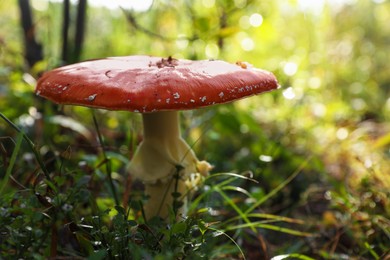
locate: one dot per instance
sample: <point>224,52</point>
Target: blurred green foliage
<point>331,115</point>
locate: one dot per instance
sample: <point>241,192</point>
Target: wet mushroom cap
<point>149,84</point>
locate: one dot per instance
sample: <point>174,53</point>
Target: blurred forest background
<point>318,147</point>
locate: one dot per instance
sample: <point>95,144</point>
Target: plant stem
<point>107,160</point>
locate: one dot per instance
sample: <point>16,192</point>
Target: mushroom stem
<point>164,162</point>
<point>167,123</point>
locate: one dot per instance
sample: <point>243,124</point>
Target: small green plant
<point>60,213</point>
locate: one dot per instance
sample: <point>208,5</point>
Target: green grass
<point>299,173</point>
<point>69,215</point>
<point>61,216</point>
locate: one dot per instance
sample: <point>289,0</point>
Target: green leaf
<point>84,243</point>
<point>382,141</point>
<point>98,255</point>
<point>179,228</point>
<point>176,194</point>
<point>135,205</point>
<point>120,210</point>
<point>132,223</point>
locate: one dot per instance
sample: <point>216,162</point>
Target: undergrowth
<point>64,211</point>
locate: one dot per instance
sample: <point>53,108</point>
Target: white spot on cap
<point>92,97</point>
<point>203,99</point>
<point>129,100</point>
<point>221,95</point>
<point>176,95</point>
<point>167,100</point>
<point>192,101</point>
<point>38,93</point>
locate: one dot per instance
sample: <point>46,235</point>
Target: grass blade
<point>267,217</point>
<point>278,188</point>
<point>231,174</point>
<point>4,182</point>
<point>235,207</point>
<point>292,256</point>
<point>259,224</point>
<point>231,239</point>
<point>238,189</point>
<point>106,159</point>
<point>32,147</point>
<point>224,183</point>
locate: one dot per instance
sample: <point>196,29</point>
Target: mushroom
<point>158,88</point>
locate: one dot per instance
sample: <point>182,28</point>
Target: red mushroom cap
<point>148,84</point>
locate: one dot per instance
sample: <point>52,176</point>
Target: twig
<point>133,22</point>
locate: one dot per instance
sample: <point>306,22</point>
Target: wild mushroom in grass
<point>158,88</point>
